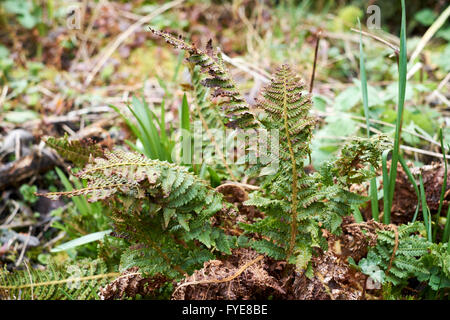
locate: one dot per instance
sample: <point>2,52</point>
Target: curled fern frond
<point>355,157</point>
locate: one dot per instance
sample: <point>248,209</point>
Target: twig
<point>428,153</point>
<point>408,148</point>
<point>244,68</point>
<point>441,97</point>
<point>12,215</point>
<point>31,280</point>
<point>387,43</point>
<point>22,253</point>
<point>54,240</point>
<point>3,96</point>
<point>430,33</point>
<point>311,83</point>
<point>387,124</point>
<point>242,185</point>
<point>413,70</point>
<point>437,93</point>
<point>319,276</point>
<point>443,82</point>
<point>88,31</point>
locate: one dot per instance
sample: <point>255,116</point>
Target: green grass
<point>151,132</point>
<point>413,182</point>
<point>90,219</point>
<point>443,189</point>
<point>373,182</point>
<point>402,64</point>
<point>386,204</point>
<point>425,210</point>
<point>186,136</point>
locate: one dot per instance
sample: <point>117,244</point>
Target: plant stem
<point>365,97</point>
<point>443,189</point>
<point>386,204</point>
<point>445,237</point>
<point>401,103</point>
<point>425,211</point>
<point>294,175</point>
<point>311,84</point>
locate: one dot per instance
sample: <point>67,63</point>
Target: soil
<point>405,199</point>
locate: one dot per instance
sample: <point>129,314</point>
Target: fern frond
<point>233,105</point>
<point>76,151</point>
<point>288,106</point>
<point>79,281</point>
<point>160,207</point>
<point>211,121</point>
<point>355,157</point>
<point>414,257</point>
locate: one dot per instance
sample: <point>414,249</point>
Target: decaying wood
<point>37,161</point>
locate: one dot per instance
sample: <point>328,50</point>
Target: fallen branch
<point>32,164</point>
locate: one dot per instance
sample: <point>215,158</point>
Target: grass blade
<point>413,182</point>
<point>401,103</point>
<point>444,186</point>
<point>150,118</point>
<point>130,125</point>
<point>145,127</point>
<point>184,115</point>
<point>79,201</point>
<point>445,237</point>
<point>386,203</point>
<point>186,150</point>
<point>365,97</point>
<point>425,211</point>
<point>357,214</point>
<point>177,66</point>
<point>81,241</point>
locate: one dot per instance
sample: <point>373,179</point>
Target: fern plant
<point>213,153</point>
<point>77,281</point>
<point>233,109</point>
<point>171,219</point>
<point>402,253</point>
<point>161,209</point>
<point>297,205</point>
<point>77,151</point>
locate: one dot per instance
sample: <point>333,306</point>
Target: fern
<point>78,281</point>
<point>414,257</point>
<point>355,157</point>
<point>163,210</point>
<point>76,151</point>
<point>302,204</point>
<point>437,262</point>
<point>205,112</point>
<point>296,205</point>
<point>168,215</point>
<point>288,112</point>
<point>234,109</point>
<point>211,121</point>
